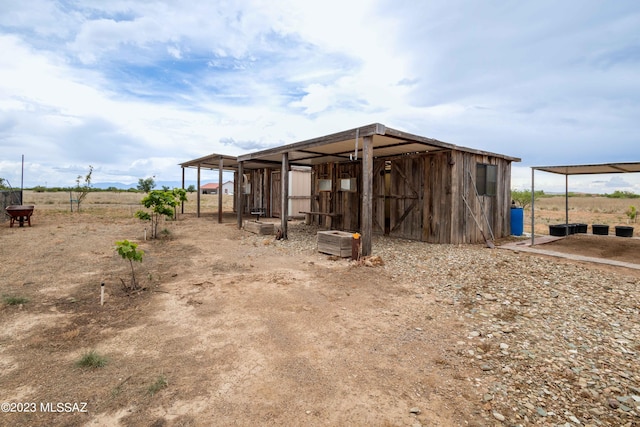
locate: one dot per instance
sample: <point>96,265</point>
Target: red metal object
<point>20,213</point>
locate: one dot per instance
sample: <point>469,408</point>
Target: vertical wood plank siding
<point>379,199</point>
<point>424,198</point>
<point>406,197</point>
<point>438,212</point>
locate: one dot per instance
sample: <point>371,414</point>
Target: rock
<point>613,403</point>
<point>574,419</point>
<point>541,411</point>
<point>415,411</point>
<point>486,367</point>
<point>498,416</point>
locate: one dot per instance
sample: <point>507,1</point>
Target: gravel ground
<point>555,342</point>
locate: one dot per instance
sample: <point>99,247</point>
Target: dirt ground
<point>607,247</point>
<point>239,329</point>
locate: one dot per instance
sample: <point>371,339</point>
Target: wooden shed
<point>375,179</point>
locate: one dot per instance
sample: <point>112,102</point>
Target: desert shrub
<point>522,198</point>
<point>13,300</point>
<point>622,195</point>
<point>160,383</point>
<point>92,359</point>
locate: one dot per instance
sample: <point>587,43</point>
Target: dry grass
<point>584,209</point>
<point>117,204</point>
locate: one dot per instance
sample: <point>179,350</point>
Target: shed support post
<point>284,209</point>
<point>198,196</point>
<point>367,192</point>
<point>566,202</point>
<point>533,206</point>
<point>182,203</point>
<point>240,195</point>
<point>220,167</point>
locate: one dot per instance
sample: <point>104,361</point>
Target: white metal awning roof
<point>627,167</point>
<point>212,161</point>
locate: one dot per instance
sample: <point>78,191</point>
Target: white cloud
<point>144,85</point>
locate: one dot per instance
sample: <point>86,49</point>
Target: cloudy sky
<point>136,87</point>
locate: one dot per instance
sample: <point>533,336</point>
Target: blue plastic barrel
<point>517,221</point>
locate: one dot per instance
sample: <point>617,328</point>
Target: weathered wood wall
<point>496,216</point>
<point>406,197</point>
<point>260,181</point>
<point>344,203</point>
<point>419,197</point>
<point>437,198</point>
<point>380,201</point>
<point>276,194</point>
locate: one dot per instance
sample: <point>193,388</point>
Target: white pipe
<point>102,293</point>
<point>356,152</point>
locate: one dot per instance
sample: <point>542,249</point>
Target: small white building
<point>212,188</point>
<point>227,187</point>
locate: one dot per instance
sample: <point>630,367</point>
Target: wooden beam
<point>240,196</point>
<point>198,197</point>
<point>284,181</point>
<point>221,167</point>
<point>367,194</point>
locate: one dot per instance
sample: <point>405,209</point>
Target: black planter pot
<point>600,229</point>
<point>573,228</point>
<point>581,228</point>
<point>624,231</point>
<point>558,230</point>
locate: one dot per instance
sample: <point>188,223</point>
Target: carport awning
<point>602,168</point>
<point>212,161</point>
<point>628,167</point>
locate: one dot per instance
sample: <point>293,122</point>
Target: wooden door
<point>405,198</point>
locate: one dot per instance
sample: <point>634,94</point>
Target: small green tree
<point>84,189</point>
<point>162,204</point>
<point>129,251</point>
<point>523,197</point>
<point>180,195</point>
<point>632,213</point>
<point>2,184</point>
<point>146,185</point>
<point>191,188</point>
